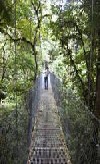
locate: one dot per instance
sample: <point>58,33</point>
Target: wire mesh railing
<point>80,126</point>
<point>32,100</point>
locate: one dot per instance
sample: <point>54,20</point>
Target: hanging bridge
<point>47,143</point>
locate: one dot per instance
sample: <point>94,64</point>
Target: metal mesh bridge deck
<point>48,144</point>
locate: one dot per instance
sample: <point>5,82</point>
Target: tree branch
<point>78,76</point>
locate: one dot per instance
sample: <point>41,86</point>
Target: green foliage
<point>23,10</point>
<point>17,71</point>
<point>24,26</point>
<point>72,29</point>
<point>77,123</point>
<point>78,128</point>
<point>5,12</point>
<point>8,136</point>
<point>75,30</point>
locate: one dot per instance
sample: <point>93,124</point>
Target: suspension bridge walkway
<point>47,144</point>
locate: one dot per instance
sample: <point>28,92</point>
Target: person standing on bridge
<point>46,73</point>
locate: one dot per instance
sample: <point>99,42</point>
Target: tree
<point>77,29</point>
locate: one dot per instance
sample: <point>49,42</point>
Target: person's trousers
<point>46,82</point>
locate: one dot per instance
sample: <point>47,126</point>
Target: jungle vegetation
<point>68,32</point>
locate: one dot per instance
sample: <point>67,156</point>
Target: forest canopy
<point>66,34</point>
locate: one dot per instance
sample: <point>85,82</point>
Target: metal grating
<point>48,145</point>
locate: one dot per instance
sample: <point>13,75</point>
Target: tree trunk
<point>97,111</point>
<point>97,106</point>
<point>30,98</point>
